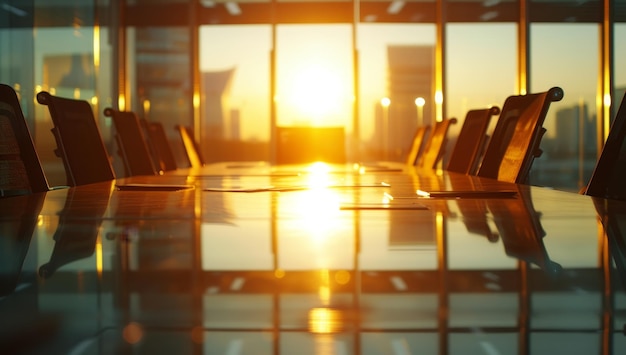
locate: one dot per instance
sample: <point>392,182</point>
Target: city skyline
<point>491,76</point>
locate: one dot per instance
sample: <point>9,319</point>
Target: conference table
<point>251,258</point>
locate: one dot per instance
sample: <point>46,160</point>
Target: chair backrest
<point>160,149</point>
<point>20,168</point>
<point>436,144</point>
<point>514,143</point>
<point>471,141</point>
<point>417,145</point>
<point>132,146</point>
<point>609,175</point>
<point>78,139</point>
<point>191,147</point>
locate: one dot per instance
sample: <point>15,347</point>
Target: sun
<point>317,93</point>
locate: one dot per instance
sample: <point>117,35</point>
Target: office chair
<point>192,148</point>
<point>78,139</point>
<point>514,143</point>
<point>132,145</point>
<point>159,145</point>
<point>417,145</point>
<point>20,167</point>
<point>471,141</point>
<point>436,144</point>
<point>609,174</point>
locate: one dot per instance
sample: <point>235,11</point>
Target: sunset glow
<point>316,94</point>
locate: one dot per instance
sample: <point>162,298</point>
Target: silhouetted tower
<point>410,75</point>
<point>215,105</point>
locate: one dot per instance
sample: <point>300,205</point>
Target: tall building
<point>215,122</point>
<point>572,127</point>
<point>409,76</point>
<point>235,125</point>
<point>572,153</point>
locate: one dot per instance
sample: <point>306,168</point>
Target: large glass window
<point>397,62</point>
<point>569,144</point>
<point>235,110</point>
<point>235,98</point>
<point>16,56</point>
<point>79,69</point>
<point>479,73</point>
<point>314,89</point>
<point>62,48</point>
<point>161,86</point>
<point>314,75</point>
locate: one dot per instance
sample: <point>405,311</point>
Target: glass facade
<point>236,71</point>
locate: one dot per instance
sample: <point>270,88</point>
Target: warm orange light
<point>146,107</point>
<point>132,333</point>
<point>319,174</point>
<point>342,277</point>
<point>438,97</point>
<point>324,293</point>
<point>96,47</point>
<point>99,262</point>
<point>420,102</point>
<point>422,193</point>
<point>316,93</point>
<point>316,209</point>
<point>121,102</point>
<point>607,100</point>
<point>196,100</point>
<point>188,141</point>
<point>385,101</point>
<point>325,321</point>
<point>324,289</point>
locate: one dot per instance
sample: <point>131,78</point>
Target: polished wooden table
<point>255,259</point>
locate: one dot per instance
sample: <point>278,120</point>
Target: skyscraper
<point>409,76</point>
<point>215,123</point>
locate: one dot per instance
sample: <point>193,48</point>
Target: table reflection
<point>474,213</point>
<point>612,215</point>
<point>78,228</point>
<point>521,232</point>
<point>199,271</point>
<point>16,230</point>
